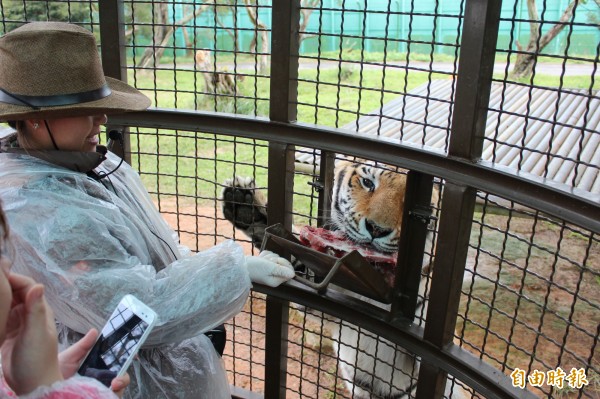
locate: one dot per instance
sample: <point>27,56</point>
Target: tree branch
<point>305,16</point>
<point>534,26</point>
<point>165,35</point>
<point>525,58</point>
<point>557,28</point>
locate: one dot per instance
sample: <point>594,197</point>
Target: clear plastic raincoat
<point>91,242</point>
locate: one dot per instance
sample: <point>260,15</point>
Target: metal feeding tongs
<point>352,271</point>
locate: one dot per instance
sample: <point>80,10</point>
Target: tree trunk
<point>261,29</point>
<point>215,81</point>
<point>159,29</point>
<point>305,14</point>
<point>527,56</point>
<point>188,43</point>
<point>203,64</point>
<point>163,33</point>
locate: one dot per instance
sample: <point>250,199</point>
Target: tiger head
<point>367,204</point>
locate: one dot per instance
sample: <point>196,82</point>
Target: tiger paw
<point>245,207</point>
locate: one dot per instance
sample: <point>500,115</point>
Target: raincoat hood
<point>74,160</point>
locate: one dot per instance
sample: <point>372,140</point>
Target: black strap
<point>36,102</point>
<point>218,337</point>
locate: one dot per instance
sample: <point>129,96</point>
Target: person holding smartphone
<point>120,339</point>
<point>84,225</point>
<point>30,361</point>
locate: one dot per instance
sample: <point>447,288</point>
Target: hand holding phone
<point>120,339</point>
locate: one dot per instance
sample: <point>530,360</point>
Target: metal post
<point>284,92</point>
<point>413,236</point>
<point>326,173</point>
<point>476,64</point>
<point>474,81</point>
<point>114,58</point>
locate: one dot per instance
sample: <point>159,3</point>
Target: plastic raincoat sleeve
<point>90,246</point>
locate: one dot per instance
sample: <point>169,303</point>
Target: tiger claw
<point>245,207</point>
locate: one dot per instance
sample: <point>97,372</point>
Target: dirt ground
<point>528,286</point>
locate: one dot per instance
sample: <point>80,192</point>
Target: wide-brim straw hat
<point>52,70</point>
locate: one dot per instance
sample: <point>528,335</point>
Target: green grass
<point>358,92</point>
<point>328,97</point>
<point>187,154</point>
<point>347,55</point>
<point>354,54</point>
<point>190,163</point>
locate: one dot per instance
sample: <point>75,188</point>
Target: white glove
<point>269,269</point>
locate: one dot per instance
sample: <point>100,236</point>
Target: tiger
<point>219,81</point>
<point>367,204</point>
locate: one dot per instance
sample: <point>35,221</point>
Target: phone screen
<point>115,345</point>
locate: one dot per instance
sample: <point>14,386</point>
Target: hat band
<point>54,101</point>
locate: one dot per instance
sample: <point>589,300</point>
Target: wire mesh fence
<point>529,300</point>
<point>386,72</point>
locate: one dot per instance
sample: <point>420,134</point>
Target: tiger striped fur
<point>367,204</point>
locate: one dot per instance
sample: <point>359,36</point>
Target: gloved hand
<point>269,269</point>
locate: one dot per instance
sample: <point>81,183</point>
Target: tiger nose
<point>375,230</point>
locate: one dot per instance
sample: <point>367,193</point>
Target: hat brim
<point>124,98</point>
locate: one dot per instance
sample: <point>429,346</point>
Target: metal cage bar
<point>284,69</point>
<point>476,65</point>
<point>580,210</point>
<point>114,59</point>
<point>415,225</point>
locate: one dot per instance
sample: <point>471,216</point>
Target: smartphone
<point>120,339</point>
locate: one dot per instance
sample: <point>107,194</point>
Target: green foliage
<point>46,11</point>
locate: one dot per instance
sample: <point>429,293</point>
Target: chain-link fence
<point>462,135</point>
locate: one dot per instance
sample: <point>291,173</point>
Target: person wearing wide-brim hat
<point>85,227</point>
<point>50,73</point>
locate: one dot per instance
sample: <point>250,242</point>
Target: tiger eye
<point>368,183</point>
